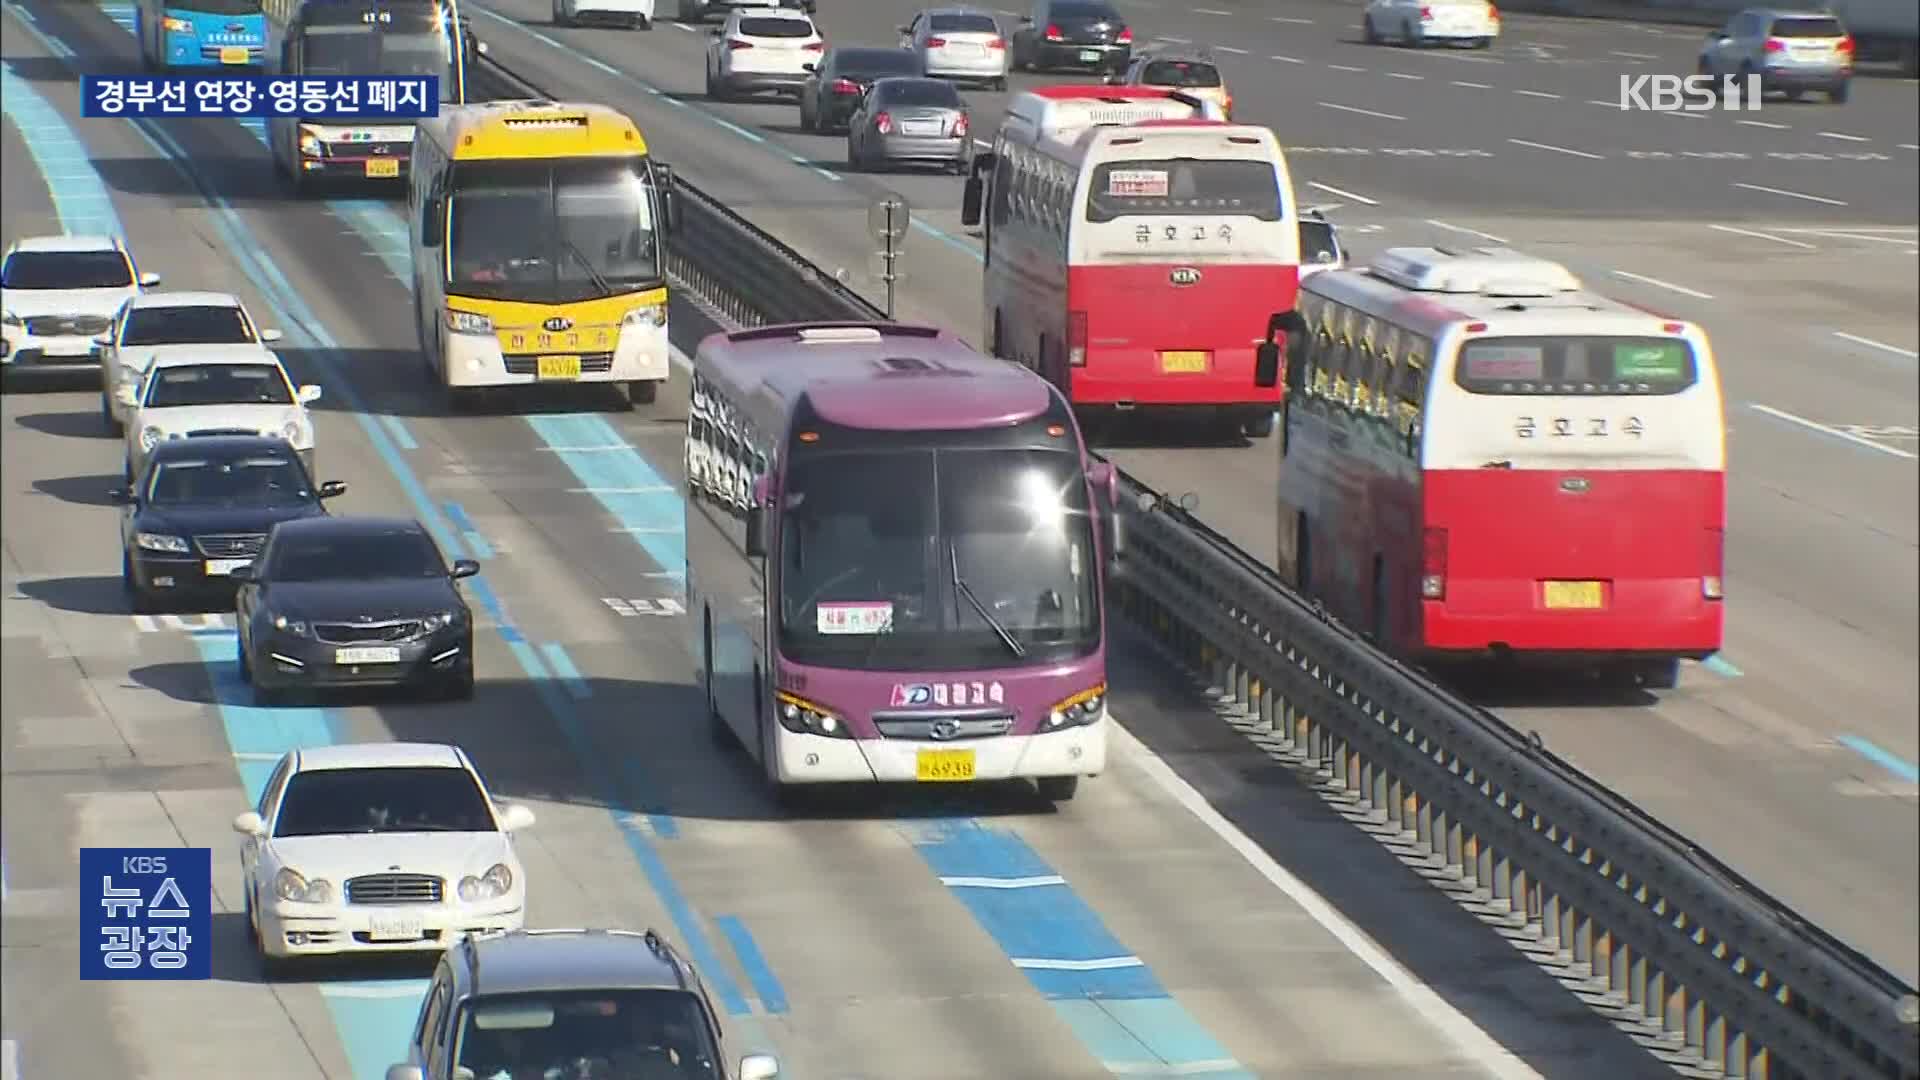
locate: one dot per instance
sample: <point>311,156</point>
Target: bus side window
<point>1342,363</point>
<point>1410,396</point>
<point>1386,374</point>
<point>1318,380</point>
<point>1363,365</point>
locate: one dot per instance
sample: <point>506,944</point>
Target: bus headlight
<point>176,26</point>
<point>468,322</point>
<point>644,316</point>
<point>311,146</point>
<point>1080,710</point>
<point>803,717</point>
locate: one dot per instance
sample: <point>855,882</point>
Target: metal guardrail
<point>1742,981</point>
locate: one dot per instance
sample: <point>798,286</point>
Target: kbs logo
<point>1689,93</point>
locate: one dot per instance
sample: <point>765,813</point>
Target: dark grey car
<point>1077,34</point>
<point>916,121</point>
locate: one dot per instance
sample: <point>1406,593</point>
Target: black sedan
<point>203,507</point>
<point>354,601</point>
<point>833,88</point>
<point>1078,34</point>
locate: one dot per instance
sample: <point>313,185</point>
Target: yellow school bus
<point>539,235</point>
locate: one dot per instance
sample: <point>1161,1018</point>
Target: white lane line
<point>1229,49</point>
<point>1420,998</point>
<point>1686,115</point>
<point>1002,882</point>
<point>1845,234</point>
<point>1872,344</point>
<point>1633,55</point>
<point>1346,67</point>
<point>1404,75</point>
<point>1538,94</point>
<point>1905,230</point>
<point>1210,11</point>
<point>1910,146</point>
<point>611,448</point>
<point>1790,194</point>
<point>1362,112</point>
<point>1764,124</point>
<point>1105,963</point>
<point>1762,236</point>
<point>1826,429</point>
<point>1667,285</point>
<point>1159,1070</point>
<point>1331,190</point>
<point>1296,22</point>
<point>1556,149</point>
<point>10,1048</point>
<point>403,989</point>
<point>1605,104</point>
<point>650,489</point>
<point>1177,40</point>
<point>684,26</point>
<point>1844,137</point>
<point>1287,59</point>
<point>1450,227</point>
<point>250,755</point>
<point>1472,85</point>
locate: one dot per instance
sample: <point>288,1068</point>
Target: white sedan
<point>57,293</point>
<point>152,324</point>
<point>215,390</point>
<point>378,848</point>
<point>635,13</point>
<point>960,43</point>
<point>1422,22</point>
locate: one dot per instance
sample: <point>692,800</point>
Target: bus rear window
<point>1184,187</point>
<point>1576,366</point>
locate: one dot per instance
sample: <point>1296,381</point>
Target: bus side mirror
<point>1266,364</point>
<point>975,192</point>
<point>433,222</point>
<point>669,197</point>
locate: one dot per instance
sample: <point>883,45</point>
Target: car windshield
<point>206,324</point>
<point>877,63</point>
<point>650,1034</point>
<point>362,50</point>
<point>218,384</point>
<point>331,802</point>
<point>871,545</point>
<point>258,480</point>
<point>776,28</point>
<point>66,270</point>
<point>363,556</point>
<point>924,93</point>
<point>1808,28</point>
<point>962,24</point>
<point>554,231</point>
<point>1170,187</point>
<point>1180,73</point>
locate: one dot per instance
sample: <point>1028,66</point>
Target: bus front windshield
<point>372,50</point>
<point>553,231</point>
<point>215,7</point>
<point>952,559</point>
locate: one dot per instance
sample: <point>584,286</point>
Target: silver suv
<point>1791,52</point>
<point>569,1005</point>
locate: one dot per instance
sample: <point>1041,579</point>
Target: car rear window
<point>1084,11</point>
<point>66,270</point>
<point>963,24</point>
<point>195,325</point>
<point>878,62</point>
<point>925,92</point>
<point>1180,73</point>
<point>1808,28</point>
<point>776,28</point>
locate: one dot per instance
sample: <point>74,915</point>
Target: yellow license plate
<point>1578,595</point>
<point>556,367</point>
<point>383,167</point>
<point>233,54</point>
<point>1184,363</point>
<point>938,766</point>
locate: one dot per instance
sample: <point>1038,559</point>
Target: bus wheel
<point>716,723</point>
<point>643,391</point>
<point>1259,426</point>
<point>1058,789</point>
<point>463,399</point>
<point>1659,674</point>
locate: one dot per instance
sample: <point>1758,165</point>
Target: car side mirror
<point>103,340</point>
<point>124,394</point>
<point>271,336</point>
<point>149,279</point>
<point>515,817</point>
<point>309,393</point>
<point>249,824</point>
<point>669,196</point>
<point>405,1072</point>
<point>1026,20</point>
<point>241,573</point>
<point>464,568</point>
<point>759,1067</point>
<point>480,47</point>
<point>809,68</point>
<point>333,489</point>
<point>718,31</point>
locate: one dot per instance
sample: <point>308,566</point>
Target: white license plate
<point>68,348</point>
<point>1089,56</point>
<point>921,128</point>
<point>966,47</point>
<point>394,928</point>
<point>223,567</point>
<point>369,655</point>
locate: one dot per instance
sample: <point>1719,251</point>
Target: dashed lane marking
<point>665,607</point>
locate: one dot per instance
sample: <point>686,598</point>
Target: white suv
<point>57,293</point>
<point>762,49</point>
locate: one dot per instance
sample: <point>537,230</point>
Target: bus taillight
<point>1077,338</point>
<point>1433,564</point>
<point>1711,586</point>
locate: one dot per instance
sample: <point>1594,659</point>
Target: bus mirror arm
<point>756,540</point>
<point>669,197</point>
<point>1266,357</point>
<point>974,194</point>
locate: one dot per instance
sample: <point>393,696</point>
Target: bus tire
<point>1659,674</point>
<point>716,722</point>
<point>641,22</point>
<point>462,399</point>
<point>643,391</point>
<point>1259,426</point>
<point>1058,789</point>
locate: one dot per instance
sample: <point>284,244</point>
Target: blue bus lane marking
<point>374,1018</point>
<point>1108,996</point>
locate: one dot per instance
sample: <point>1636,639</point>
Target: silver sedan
<point>915,121</point>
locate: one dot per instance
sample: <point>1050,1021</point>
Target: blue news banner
<point>146,913</point>
<point>312,98</point>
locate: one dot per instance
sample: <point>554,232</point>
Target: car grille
<point>65,325</point>
<point>333,633</point>
<point>395,889</point>
<point>230,546</point>
<point>214,433</point>
<point>212,52</point>
<point>936,728</point>
<point>590,364</point>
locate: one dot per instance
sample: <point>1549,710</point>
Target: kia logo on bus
<point>1184,275</point>
<point>558,323</point>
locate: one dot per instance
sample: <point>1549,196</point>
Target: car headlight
<point>293,431</point>
<point>468,322</point>
<point>439,620</point>
<point>289,885</point>
<point>149,437</point>
<point>296,627</point>
<point>161,542</point>
<point>488,886</point>
<point>803,717</point>
<point>648,315</point>
<point>1083,708</point>
<point>176,26</point>
<point>311,146</point>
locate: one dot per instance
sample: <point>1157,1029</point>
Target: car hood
<point>213,519</point>
<point>373,600</point>
<point>101,303</point>
<point>250,419</point>
<point>442,854</point>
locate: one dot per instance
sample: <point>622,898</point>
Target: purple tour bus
<point>893,563</point>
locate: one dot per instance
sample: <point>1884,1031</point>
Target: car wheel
<point>999,85</point>
<point>107,419</point>
<point>458,687</point>
<point>1369,31</point>
<point>1058,788</point>
<point>1406,35</point>
<point>269,697</point>
<point>241,660</point>
<point>1838,95</point>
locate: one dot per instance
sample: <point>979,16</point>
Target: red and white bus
<point>1480,459</point>
<point>1139,251</point>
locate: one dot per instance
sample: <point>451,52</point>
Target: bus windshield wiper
<point>960,586</point>
<point>586,264</point>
